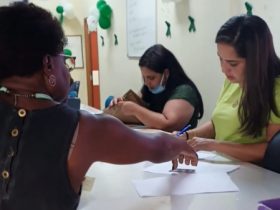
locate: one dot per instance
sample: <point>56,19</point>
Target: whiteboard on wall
<point>141,26</point>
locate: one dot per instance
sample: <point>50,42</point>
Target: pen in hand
<point>183,130</point>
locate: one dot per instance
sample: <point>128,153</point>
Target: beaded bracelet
<point>187,135</point>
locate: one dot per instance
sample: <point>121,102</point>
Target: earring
<point>52,80</point>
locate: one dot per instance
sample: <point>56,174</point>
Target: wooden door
<point>92,67</point>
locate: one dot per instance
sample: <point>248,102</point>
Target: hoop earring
<point>52,80</point>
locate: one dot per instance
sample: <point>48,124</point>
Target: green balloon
<point>106,11</point>
<point>67,52</point>
<point>104,22</point>
<point>59,9</point>
<point>100,3</point>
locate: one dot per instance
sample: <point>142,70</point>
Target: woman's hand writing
<point>198,143</point>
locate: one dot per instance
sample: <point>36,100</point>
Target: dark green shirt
<point>184,92</point>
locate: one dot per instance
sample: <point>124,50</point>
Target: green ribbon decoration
<point>168,31</point>
<point>249,8</point>
<point>102,40</point>
<point>60,10</point>
<point>192,25</point>
<point>116,39</point>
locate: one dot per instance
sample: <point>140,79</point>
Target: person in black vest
<point>46,147</point>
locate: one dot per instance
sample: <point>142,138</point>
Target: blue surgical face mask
<point>158,89</point>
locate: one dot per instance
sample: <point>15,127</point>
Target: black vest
<point>34,147</point>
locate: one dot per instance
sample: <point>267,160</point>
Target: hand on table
<point>188,157</point>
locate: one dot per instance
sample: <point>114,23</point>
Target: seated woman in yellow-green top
<point>247,112</point>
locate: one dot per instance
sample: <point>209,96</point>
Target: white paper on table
<point>202,167</point>
<point>204,155</point>
<point>213,157</point>
<point>185,184</point>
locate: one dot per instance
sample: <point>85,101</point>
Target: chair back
<point>272,155</point>
<point>75,86</point>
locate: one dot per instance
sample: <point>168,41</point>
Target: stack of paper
<point>206,178</point>
<point>202,167</point>
<point>185,184</point>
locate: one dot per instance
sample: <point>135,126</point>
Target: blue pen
<point>183,130</point>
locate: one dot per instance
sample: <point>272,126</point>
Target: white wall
<point>195,51</point>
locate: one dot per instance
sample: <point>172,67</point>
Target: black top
<point>34,148</point>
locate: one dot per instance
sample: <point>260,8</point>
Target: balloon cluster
<point>101,14</point>
<point>105,12</point>
<point>60,11</point>
<point>65,9</point>
<point>92,19</point>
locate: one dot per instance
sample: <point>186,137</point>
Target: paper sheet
<point>185,184</point>
<point>203,155</point>
<point>202,167</point>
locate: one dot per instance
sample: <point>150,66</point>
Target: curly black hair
<point>27,34</point>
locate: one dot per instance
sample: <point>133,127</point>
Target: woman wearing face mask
<point>172,98</point>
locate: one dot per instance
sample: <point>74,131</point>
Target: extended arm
<point>107,139</point>
<point>206,130</point>
<point>245,152</point>
<point>175,115</point>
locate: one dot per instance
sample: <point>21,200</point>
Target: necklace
<point>33,95</point>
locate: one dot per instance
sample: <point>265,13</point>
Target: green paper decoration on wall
<point>168,30</point>
<point>192,25</point>
<point>249,8</point>
<point>102,40</point>
<point>116,39</point>
<point>105,12</point>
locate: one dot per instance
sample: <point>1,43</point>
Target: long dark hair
<point>157,58</point>
<point>252,40</point>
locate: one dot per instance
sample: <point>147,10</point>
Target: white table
<point>90,109</point>
<point>113,190</point>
